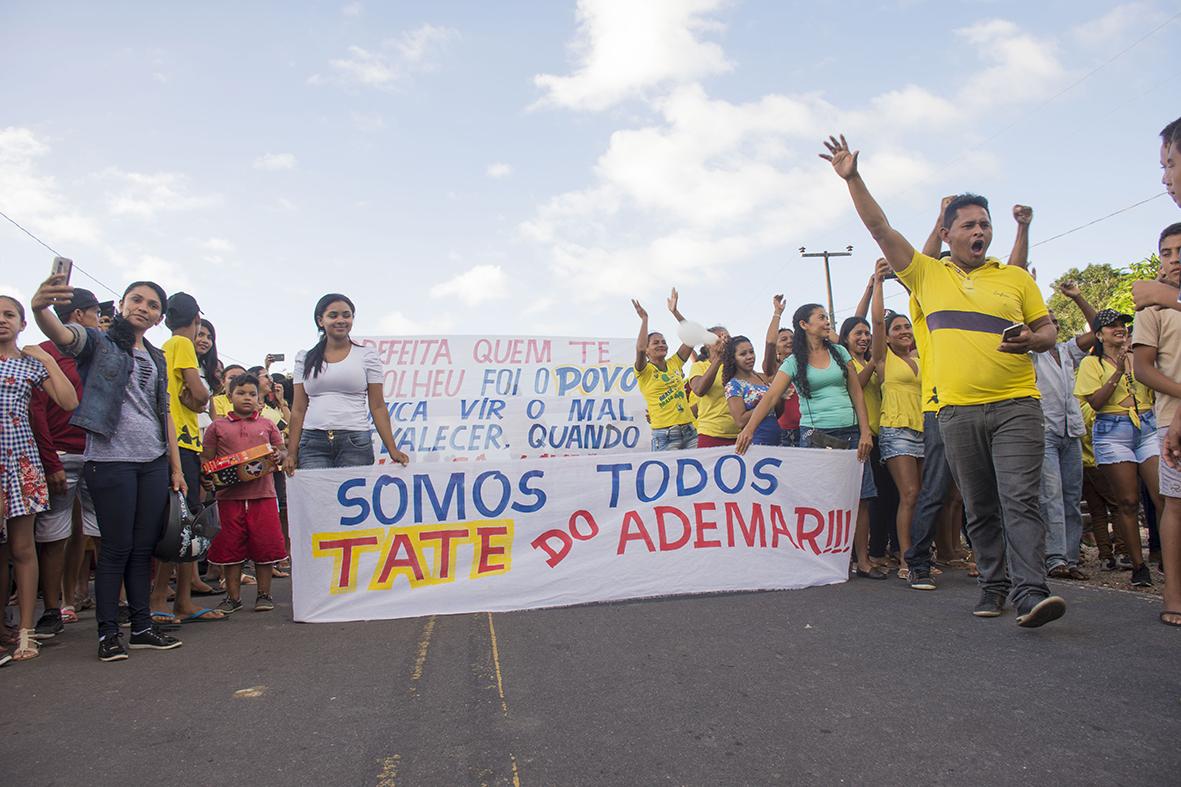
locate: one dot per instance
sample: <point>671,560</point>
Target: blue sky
<point>527,167</point>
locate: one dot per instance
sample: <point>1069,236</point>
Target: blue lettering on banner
<point>598,410</point>
<point>692,477</point>
<point>595,379</point>
<point>391,500</point>
<point>583,436</point>
<point>642,472</point>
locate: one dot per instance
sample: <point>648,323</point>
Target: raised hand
<point>881,269</point>
<point>1070,289</point>
<point>780,303</point>
<point>640,310</point>
<point>672,300</point>
<point>844,162</point>
<point>943,203</point>
<point>53,292</point>
<point>1023,214</point>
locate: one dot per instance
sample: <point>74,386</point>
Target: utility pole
<point>848,252</point>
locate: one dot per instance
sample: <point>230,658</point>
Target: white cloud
<point>499,170</point>
<point>1114,25</point>
<point>1024,67</point>
<point>218,245</point>
<point>352,9</point>
<point>708,183</point>
<point>624,49</point>
<point>275,161</point>
<point>399,324</point>
<point>414,51</point>
<point>143,195</point>
<point>33,197</point>
<point>476,285</point>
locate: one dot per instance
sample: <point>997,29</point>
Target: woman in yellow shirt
<point>900,435</point>
<point>854,336</point>
<point>1124,435</point>
<point>663,385</point>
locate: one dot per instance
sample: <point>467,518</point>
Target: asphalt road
<point>856,683</point>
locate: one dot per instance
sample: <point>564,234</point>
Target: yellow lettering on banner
<point>423,554</point>
<point>345,550</point>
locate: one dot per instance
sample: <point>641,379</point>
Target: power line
<point>1096,221</point>
<point>76,267</point>
<point>57,253</point>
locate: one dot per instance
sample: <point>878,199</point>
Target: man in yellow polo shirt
<point>983,320</point>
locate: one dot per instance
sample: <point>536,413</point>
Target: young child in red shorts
<point>249,511</point>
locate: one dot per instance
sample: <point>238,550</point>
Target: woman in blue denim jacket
<point>338,389</point>
<point>131,453</point>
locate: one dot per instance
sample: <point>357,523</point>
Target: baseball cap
<point>182,309</point>
<point>83,299</point>
<point>1108,317</point>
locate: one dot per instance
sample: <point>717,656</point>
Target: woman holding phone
<point>132,458</point>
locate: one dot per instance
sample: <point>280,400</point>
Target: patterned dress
<point>21,475</point>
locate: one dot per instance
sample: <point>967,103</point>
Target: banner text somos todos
<point>468,397</point>
<point>522,534</point>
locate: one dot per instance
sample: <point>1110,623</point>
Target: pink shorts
<point>250,530</point>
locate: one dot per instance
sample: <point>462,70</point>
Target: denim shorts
<point>674,438</point>
<point>1117,440</point>
<point>852,434</point>
<point>900,441</point>
<point>319,448</point>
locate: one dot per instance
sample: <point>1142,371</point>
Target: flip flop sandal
<point>1173,623</point>
<point>213,591</point>
<point>163,617</point>
<point>201,616</point>
<point>249,580</point>
<point>280,574</point>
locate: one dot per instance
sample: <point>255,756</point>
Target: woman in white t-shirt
<point>338,387</point>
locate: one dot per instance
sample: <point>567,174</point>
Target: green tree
<point>1104,286</point>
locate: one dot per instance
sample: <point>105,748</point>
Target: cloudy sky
<point>517,167</point>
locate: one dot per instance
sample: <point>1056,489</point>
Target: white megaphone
<point>694,334</point>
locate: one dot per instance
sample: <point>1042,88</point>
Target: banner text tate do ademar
<point>510,397</point>
<point>383,542</point>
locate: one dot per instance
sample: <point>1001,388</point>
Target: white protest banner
<point>510,397</point>
<point>391,542</point>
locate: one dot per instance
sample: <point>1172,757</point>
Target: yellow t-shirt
<point>1094,372</point>
<point>902,393</point>
<point>180,354</point>
<point>966,312</point>
<point>665,393</point>
<point>872,391</point>
<point>1088,442</point>
<point>922,342</point>
<point>713,413</point>
<point>221,406</point>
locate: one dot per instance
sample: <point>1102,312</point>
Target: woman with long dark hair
<point>746,387</point>
<point>832,408</point>
<point>1124,434</point>
<point>206,345</point>
<point>661,380</point>
<point>131,456</point>
<point>338,387</point>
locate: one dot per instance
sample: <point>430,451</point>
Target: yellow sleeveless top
<point>873,396</point>
<point>902,393</point>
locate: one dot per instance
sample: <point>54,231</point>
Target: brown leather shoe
<point>1060,572</point>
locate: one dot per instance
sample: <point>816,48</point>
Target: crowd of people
<point>979,428</point>
<point>109,442</point>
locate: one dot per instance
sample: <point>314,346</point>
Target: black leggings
<point>131,501</point>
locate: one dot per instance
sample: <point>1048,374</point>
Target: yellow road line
<point>516,773</point>
<point>496,665</point>
<point>424,644</point>
<point>389,771</point>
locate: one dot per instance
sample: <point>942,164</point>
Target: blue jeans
<point>1061,491</point>
<point>936,484</point>
<point>674,438</point>
<point>320,448</point>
